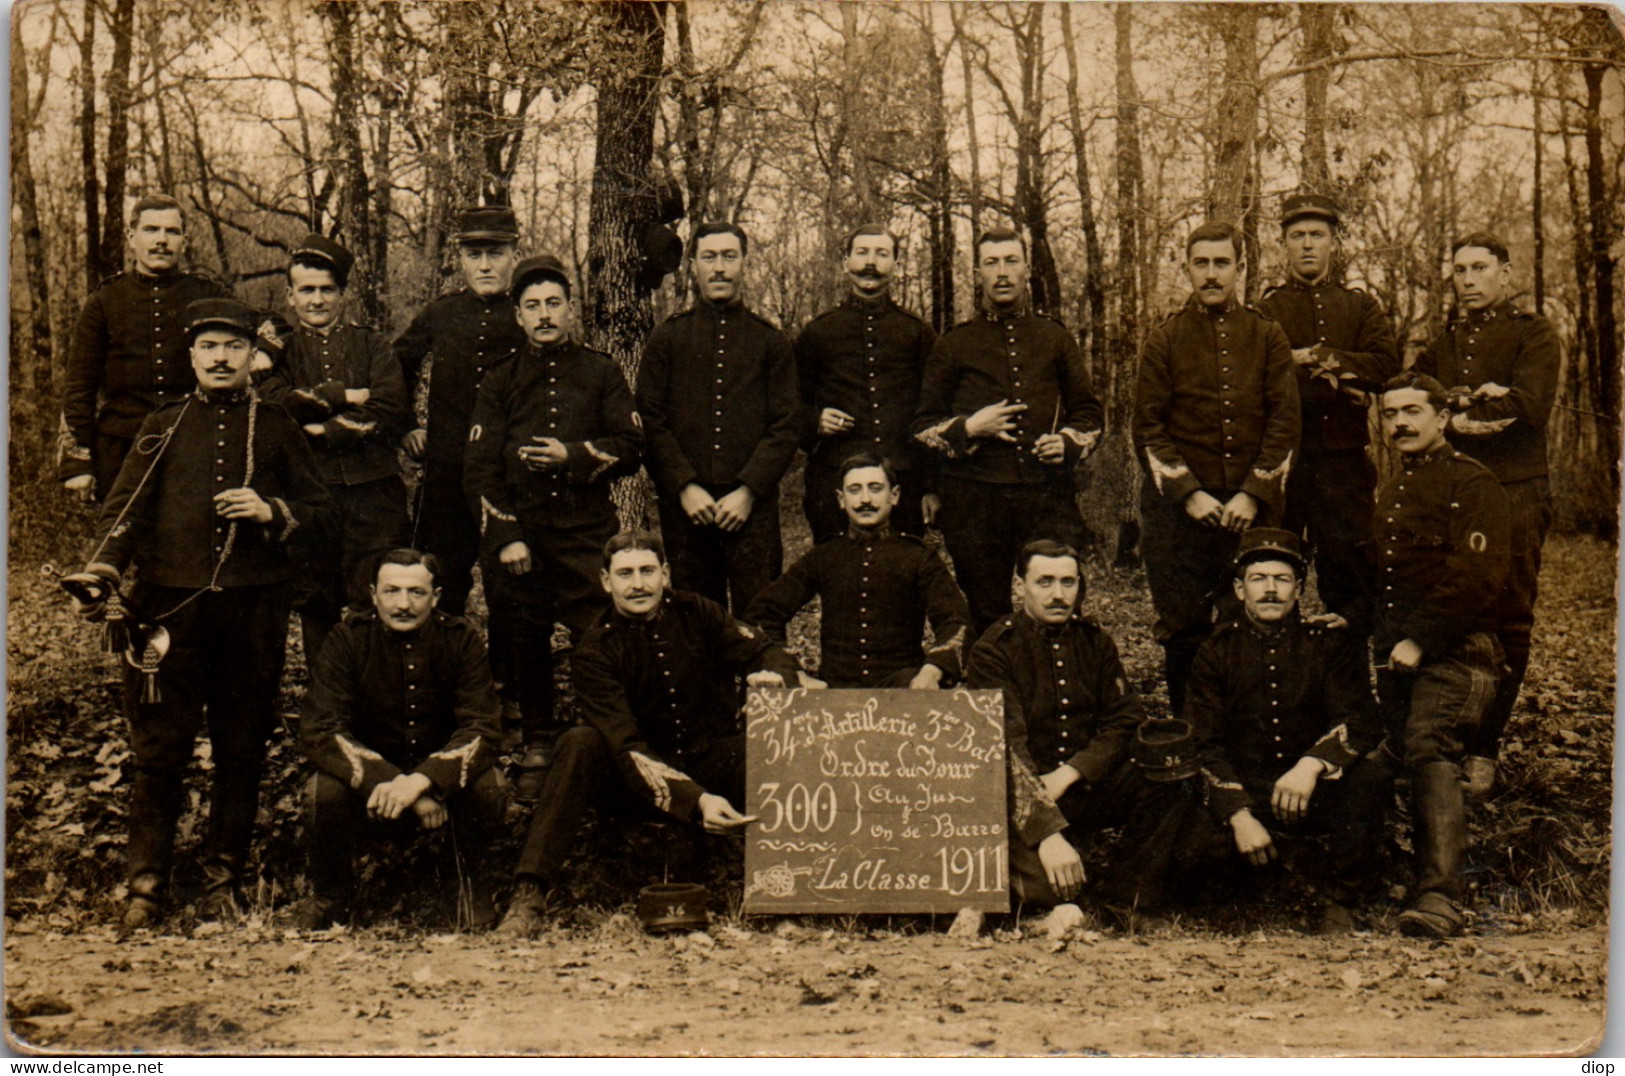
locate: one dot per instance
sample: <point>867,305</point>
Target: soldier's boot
<point>527,908</point>
<point>1439,812</point>
<point>233,801</point>
<point>155,807</point>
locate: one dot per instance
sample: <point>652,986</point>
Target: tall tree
<point>1097,345</point>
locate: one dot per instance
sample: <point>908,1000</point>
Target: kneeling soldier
<point>1070,721</point>
<point>401,723</point>
<point>1284,712</point>
<point>1443,544</point>
<point>657,680</point>
<point>878,590</point>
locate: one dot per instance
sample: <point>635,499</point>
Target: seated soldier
<point>878,590</point>
<point>401,722</point>
<point>657,680</point>
<point>1284,712</point>
<point>1070,720</point>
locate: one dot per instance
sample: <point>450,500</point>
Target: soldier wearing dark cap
<point>206,505</point>
<point>401,724</point>
<point>878,591</point>
<point>1284,712</point>
<point>658,680</point>
<point>1500,366</point>
<point>553,427</point>
<point>1070,720</point>
<point>444,354</point>
<point>717,392</point>
<point>860,367</point>
<point>1008,408</point>
<point>1216,423</point>
<point>127,355</point>
<point>1343,350</point>
<point>341,384</point>
<point>1442,543</point>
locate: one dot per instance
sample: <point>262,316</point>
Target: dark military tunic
<point>127,357</point>
<point>1261,698</point>
<point>384,702</point>
<point>1517,351</point>
<point>464,335</point>
<point>878,592</point>
<point>666,689</point>
<point>1216,405</point>
<point>1442,546</point>
<point>1021,358</point>
<point>566,392</point>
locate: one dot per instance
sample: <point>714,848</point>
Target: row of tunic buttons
<point>220,475</point>
<point>874,397</point>
<point>1060,682</point>
<point>413,706</point>
<point>1224,387</point>
<point>863,610</point>
<point>161,365</point>
<point>722,335</point>
<point>1275,696</point>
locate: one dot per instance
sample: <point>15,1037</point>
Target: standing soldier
<point>1008,407</point>
<point>205,505</point>
<point>339,381</point>
<point>860,367</point>
<point>717,392</point>
<point>1442,546</point>
<point>1501,366</point>
<point>128,352</point>
<point>1216,419</point>
<point>552,429</point>
<point>1343,349</point>
<point>444,354</point>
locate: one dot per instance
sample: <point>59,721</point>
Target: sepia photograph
<point>833,528</point>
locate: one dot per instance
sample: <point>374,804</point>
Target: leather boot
<point>155,807</point>
<point>1440,817</point>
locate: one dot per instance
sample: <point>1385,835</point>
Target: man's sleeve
<point>1353,728</point>
<point>412,350</point>
<point>385,414</point>
<point>476,741</point>
<point>81,382</point>
<point>935,424</point>
<point>1480,550</point>
<point>1153,396</point>
<point>927,464</point>
<point>1033,815</point>
<point>1375,356</point>
<point>772,455</point>
<point>1282,421</point>
<point>948,613</point>
<point>485,480</point>
<point>1206,710</point>
<point>776,604</point>
<point>1120,715</point>
<point>128,515</point>
<point>749,649</point>
<point>1085,418</point>
<point>668,465</point>
<point>304,504</point>
<point>327,715</point>
<point>618,449</point>
<point>1528,401</point>
<point>808,363</point>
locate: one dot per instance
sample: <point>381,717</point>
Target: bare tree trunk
<point>1235,180</point>
<point>941,212</point>
<point>1096,333</point>
<point>205,191</point>
<point>354,203</point>
<point>383,184</point>
<point>1030,177</point>
<point>31,363</point>
<point>95,266</point>
<point>972,143</point>
<point>1538,215</point>
<point>1605,384</point>
<point>1317,21</point>
<point>117,160</point>
<point>1130,222</point>
<point>619,315</point>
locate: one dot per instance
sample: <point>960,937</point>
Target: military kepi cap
<point>330,251</point>
<point>1299,206</point>
<point>1269,543</point>
<point>543,267</point>
<point>225,313</point>
<point>491,224</point>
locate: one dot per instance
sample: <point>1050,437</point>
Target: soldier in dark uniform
<point>1008,407</point>
<point>860,367</point>
<point>1442,550</point>
<point>444,354</point>
<point>1216,422</point>
<point>205,506</point>
<point>1500,365</point>
<point>878,589</point>
<point>1284,712</point>
<point>552,428</point>
<point>1070,719</point>
<point>1343,349</point>
<point>401,724</point>
<point>339,381</point>
<point>127,355</point>
<point>717,392</point>
<point>657,679</point>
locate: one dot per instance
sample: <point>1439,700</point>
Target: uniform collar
<point>157,280</point>
<point>1052,631</point>
<point>1299,284</point>
<point>868,537</point>
<point>1411,463</point>
<point>1499,308</point>
<point>1284,625</point>
<point>1021,309</point>
<point>717,310</point>
<point>1230,306</point>
<point>222,398</point>
<point>548,352</point>
<point>323,334</point>
<point>855,301</point>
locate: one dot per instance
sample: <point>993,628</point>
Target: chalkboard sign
<point>875,801</point>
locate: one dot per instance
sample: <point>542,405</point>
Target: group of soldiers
<point>269,478</point>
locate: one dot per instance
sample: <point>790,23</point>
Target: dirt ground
<point>798,989</point>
